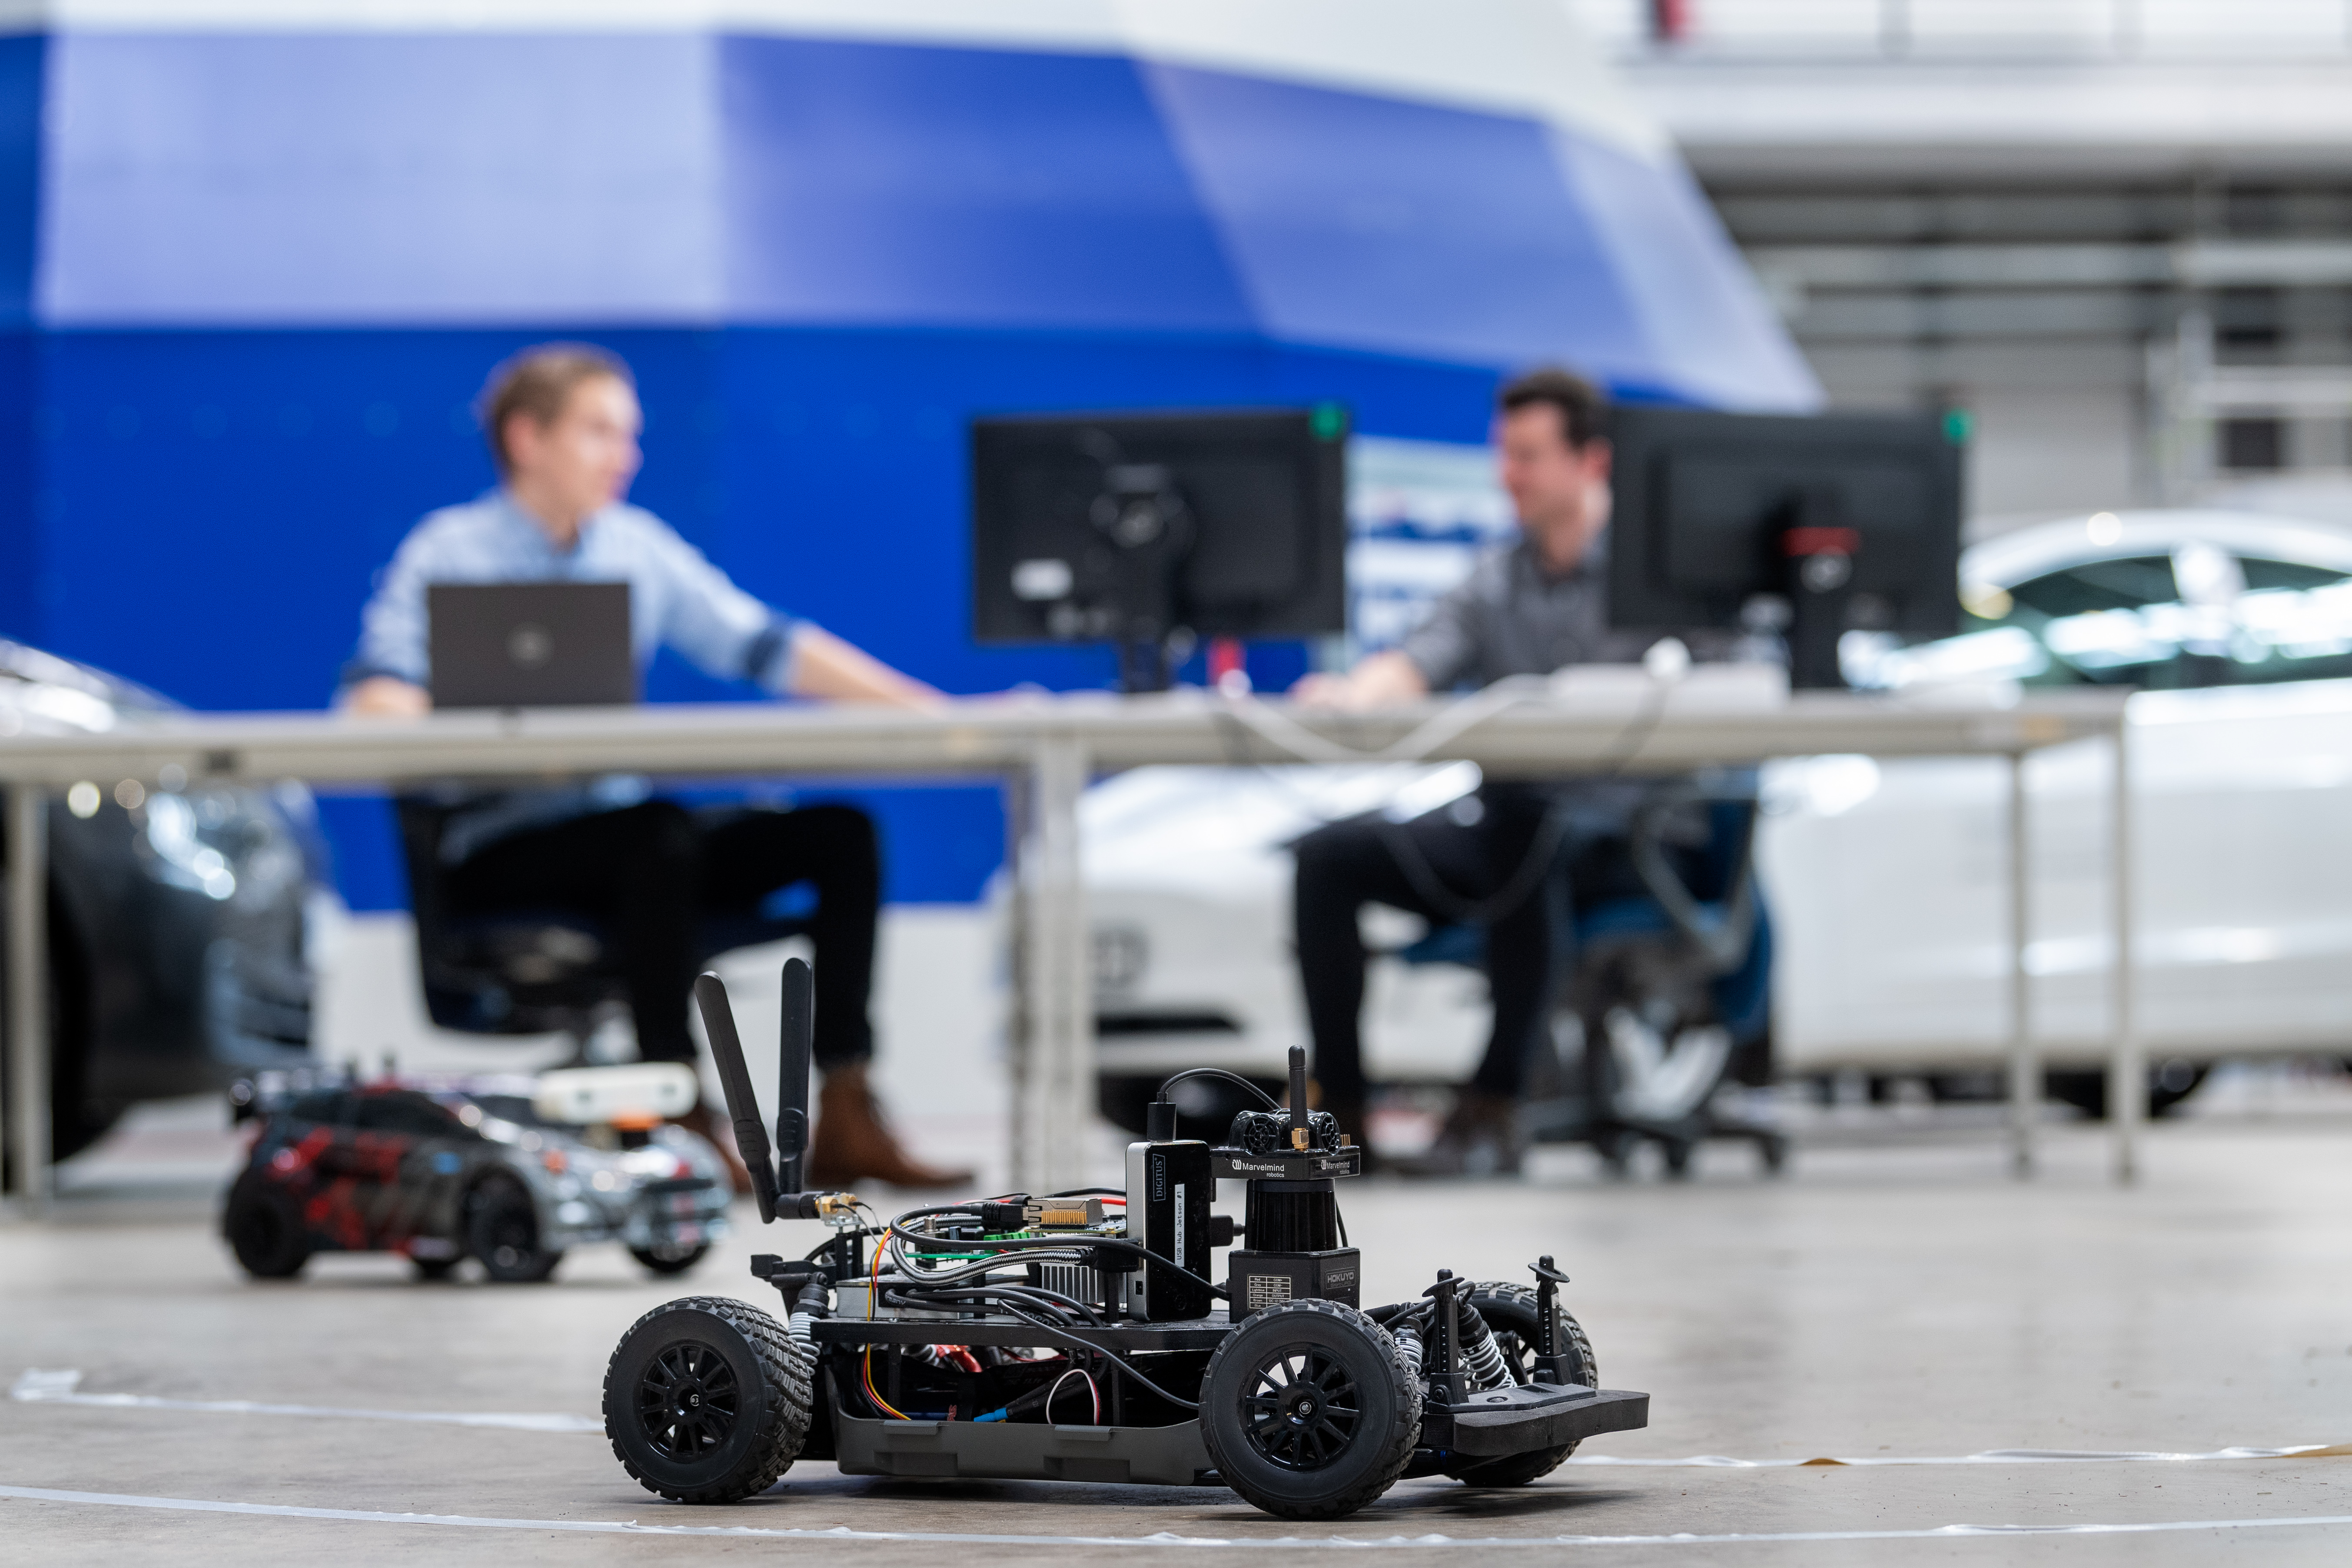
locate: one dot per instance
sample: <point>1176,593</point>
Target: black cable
<point>988,1290</point>
<point>1233,1077</point>
<point>1078,1239</point>
<point>1073,1341</point>
<point>1068,1339</point>
<point>1532,868</point>
<point>860,1233</point>
<point>1525,877</point>
<point>1091,1192</point>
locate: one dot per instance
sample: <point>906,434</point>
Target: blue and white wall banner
<point>1420,513</point>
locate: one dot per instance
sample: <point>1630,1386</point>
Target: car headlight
<point>216,843</point>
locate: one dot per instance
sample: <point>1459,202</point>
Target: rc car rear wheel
<point>433,1270</point>
<point>1511,1314</point>
<point>1308,1410</point>
<point>708,1400</point>
<point>665,1261</point>
<point>502,1230</point>
<point>264,1230</point>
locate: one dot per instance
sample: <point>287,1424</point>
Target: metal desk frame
<point>1046,749</point>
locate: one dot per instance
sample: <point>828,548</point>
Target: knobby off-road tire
<point>502,1230</point>
<point>1510,1311</point>
<point>708,1400</point>
<point>264,1228</point>
<point>1308,1410</point>
<point>663,1265</point>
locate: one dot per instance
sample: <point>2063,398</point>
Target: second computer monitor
<point>1819,525</point>
<point>1144,529</point>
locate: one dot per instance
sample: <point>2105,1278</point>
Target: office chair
<point>529,970</point>
<point>1663,984</point>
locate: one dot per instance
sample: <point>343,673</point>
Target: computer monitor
<point>1814,526</point>
<point>1147,530</point>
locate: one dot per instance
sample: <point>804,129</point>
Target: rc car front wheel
<point>1308,1410</point>
<point>664,1261</point>
<point>708,1400</point>
<point>502,1230</point>
<point>1511,1315</point>
<point>264,1230</point>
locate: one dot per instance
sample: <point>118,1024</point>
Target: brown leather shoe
<point>1481,1138</point>
<point>721,1135</point>
<point>853,1143</point>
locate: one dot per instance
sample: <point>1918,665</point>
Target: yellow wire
<point>873,1289</point>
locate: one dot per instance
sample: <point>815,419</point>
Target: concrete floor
<point>1893,1298</point>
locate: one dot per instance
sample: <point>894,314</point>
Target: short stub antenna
<point>1301,1136</point>
<point>742,1105</point>
<point>798,1041</point>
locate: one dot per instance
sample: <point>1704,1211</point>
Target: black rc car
<point>1087,1337</point>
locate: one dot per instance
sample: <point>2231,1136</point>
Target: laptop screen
<point>530,645</point>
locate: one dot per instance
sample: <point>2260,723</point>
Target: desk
<point>1046,749</point>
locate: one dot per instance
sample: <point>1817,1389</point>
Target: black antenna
<point>793,1073</point>
<point>742,1105</point>
<point>1300,1134</point>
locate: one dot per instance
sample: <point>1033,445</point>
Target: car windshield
<point>2198,616</point>
<point>516,1109</point>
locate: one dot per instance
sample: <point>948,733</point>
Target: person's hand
<point>1324,689</point>
<point>385,697</point>
<point>1386,679</point>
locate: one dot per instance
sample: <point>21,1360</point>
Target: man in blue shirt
<point>562,422</point>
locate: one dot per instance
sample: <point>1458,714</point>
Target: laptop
<point>529,645</point>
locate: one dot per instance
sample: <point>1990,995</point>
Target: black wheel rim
<point>1301,1407</point>
<point>687,1401</point>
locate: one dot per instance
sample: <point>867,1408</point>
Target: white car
<point>1885,883</point>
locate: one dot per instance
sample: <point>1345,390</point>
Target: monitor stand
<point>1821,582</point>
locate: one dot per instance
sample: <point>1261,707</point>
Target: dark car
<point>441,1173</point>
<point>176,914</point>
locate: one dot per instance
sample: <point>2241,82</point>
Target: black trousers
<point>1472,847</point>
<point>649,875</point>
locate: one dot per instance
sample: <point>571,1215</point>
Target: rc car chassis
<point>1080,1337</point>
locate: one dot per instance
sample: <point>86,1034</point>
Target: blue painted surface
<point>371,178</point>
<point>886,183</point>
<point>1400,226</point>
<point>271,272</point>
<point>334,179</point>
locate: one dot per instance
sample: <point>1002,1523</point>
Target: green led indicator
<point>1329,421</point>
<point>1958,426</point>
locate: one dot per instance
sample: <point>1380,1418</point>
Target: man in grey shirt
<point>1527,608</point>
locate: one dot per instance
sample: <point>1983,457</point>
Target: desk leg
<point>1053,1038</point>
<point>28,996</point>
<point>2127,1072</point>
<point>2024,1061</point>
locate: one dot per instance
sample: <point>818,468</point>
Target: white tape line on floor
<point>1163,1538</point>
<point>59,1387</point>
<point>62,1387</point>
<point>1990,1456</point>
